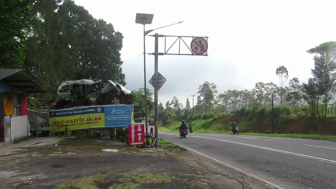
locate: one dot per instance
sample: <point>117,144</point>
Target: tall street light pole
<point>144,19</point>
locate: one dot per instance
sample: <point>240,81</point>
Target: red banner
<point>136,134</point>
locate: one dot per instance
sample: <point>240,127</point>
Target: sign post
<point>199,46</point>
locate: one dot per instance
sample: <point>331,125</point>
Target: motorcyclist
<point>183,126</point>
<point>233,127</point>
<point>190,129</point>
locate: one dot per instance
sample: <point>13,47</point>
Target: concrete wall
<point>19,128</point>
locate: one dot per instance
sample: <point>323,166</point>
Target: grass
<point>143,178</point>
<point>210,131</point>
<point>128,181</point>
<point>169,145</point>
<point>83,183</point>
<point>305,136</point>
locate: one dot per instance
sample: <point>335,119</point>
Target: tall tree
<point>208,92</point>
<point>324,64</point>
<point>14,18</point>
<point>177,107</point>
<point>66,43</point>
<point>311,95</point>
<point>187,109</point>
<point>294,91</point>
<point>187,104</point>
<point>282,73</point>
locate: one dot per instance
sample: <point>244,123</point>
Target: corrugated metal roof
<point>7,72</point>
<point>18,79</point>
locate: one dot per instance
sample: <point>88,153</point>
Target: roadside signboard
<point>199,45</point>
<point>161,80</point>
<point>136,134</point>
<point>90,117</point>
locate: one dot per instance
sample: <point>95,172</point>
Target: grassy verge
<point>197,131</point>
<point>123,180</point>
<point>303,136</point>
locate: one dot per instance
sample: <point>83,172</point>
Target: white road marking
<point>275,150</point>
<point>246,137</point>
<point>320,146</point>
<point>272,149</point>
<point>237,169</point>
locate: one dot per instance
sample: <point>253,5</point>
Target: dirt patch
<point>81,163</point>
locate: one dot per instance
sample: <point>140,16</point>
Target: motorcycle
<point>235,130</point>
<point>183,133</point>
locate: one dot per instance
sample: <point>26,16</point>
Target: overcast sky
<point>248,40</point>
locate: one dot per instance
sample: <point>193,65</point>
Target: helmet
<point>182,122</point>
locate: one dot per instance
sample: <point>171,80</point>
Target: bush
<point>207,116</point>
<point>305,110</point>
<point>286,110</point>
<point>261,112</point>
<point>242,111</point>
<point>248,112</point>
<point>121,135</point>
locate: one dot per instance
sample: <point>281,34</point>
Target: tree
<point>187,109</point>
<point>139,103</point>
<point>15,15</point>
<point>264,91</point>
<point>324,65</point>
<point>66,43</point>
<point>207,91</point>
<point>311,95</point>
<point>282,73</point>
<point>177,107</point>
<point>187,104</point>
<point>168,108</point>
<point>294,91</point>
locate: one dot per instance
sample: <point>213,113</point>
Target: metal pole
<point>145,80</point>
<point>272,117</point>
<point>156,89</point>
<point>192,108</point>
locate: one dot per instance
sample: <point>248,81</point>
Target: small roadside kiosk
<point>15,86</point>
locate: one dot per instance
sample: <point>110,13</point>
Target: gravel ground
<point>82,163</point>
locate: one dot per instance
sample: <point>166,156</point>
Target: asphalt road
<point>284,162</point>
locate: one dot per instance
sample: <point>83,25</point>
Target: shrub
<point>261,112</point>
<point>242,111</point>
<point>286,110</point>
<point>305,110</point>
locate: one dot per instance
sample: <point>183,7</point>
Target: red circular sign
<point>199,45</point>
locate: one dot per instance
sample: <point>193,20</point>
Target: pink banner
<point>136,134</point>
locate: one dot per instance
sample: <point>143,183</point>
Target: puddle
<point>110,150</point>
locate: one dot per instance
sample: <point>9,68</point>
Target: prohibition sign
<point>199,45</point>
